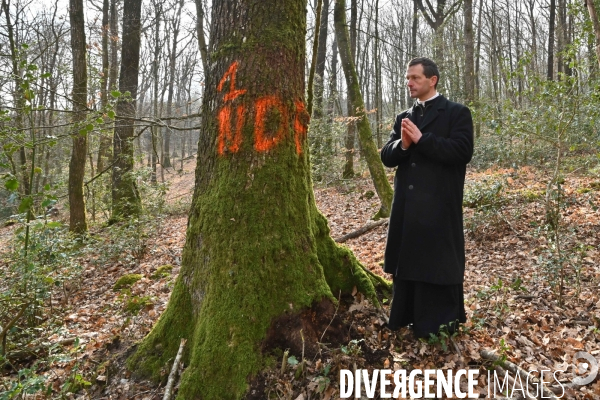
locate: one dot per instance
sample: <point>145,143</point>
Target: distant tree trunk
<point>369,150</point>
<point>313,62</point>
<point>351,126</point>
<point>77,220</point>
<point>596,24</point>
<point>413,30</point>
<point>469,74</point>
<point>319,84</point>
<point>125,196</point>
<point>19,98</point>
<point>111,34</point>
<point>378,83</point>
<point>166,157</point>
<point>155,113</point>
<point>201,38</point>
<point>244,271</point>
<point>104,147</point>
<point>550,73</point>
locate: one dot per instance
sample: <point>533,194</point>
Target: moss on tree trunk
<point>257,249</point>
<point>365,136</point>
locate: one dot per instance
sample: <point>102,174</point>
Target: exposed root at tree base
<point>301,334</point>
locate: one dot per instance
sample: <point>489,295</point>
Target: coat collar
<point>440,104</point>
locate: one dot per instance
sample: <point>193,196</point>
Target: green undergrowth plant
<point>487,198</point>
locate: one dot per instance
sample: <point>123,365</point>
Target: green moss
<point>162,272</point>
<point>135,304</point>
<point>127,281</point>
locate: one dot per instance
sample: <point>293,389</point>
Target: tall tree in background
<point>175,27</point>
<point>596,24</point>
<point>351,126</point>
<point>550,73</point>
<point>244,270</point>
<point>369,150</point>
<point>319,85</point>
<point>469,52</point>
<point>77,220</point>
<point>125,196</point>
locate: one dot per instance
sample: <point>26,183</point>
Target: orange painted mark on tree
<point>300,125</point>
<point>271,119</point>
<point>227,138</point>
<point>230,140</point>
<point>233,93</point>
<point>265,141</point>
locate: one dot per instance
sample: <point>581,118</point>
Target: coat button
<point>410,187</point>
<point>413,165</point>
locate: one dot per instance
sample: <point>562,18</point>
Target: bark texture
<point>369,150</point>
<point>596,24</point>
<point>77,219</point>
<point>257,249</point>
<point>125,196</point>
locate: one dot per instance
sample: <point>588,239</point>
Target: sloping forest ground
<point>511,292</point>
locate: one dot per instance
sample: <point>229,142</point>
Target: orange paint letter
<point>227,138</point>
<point>300,125</point>
<point>265,141</point>
<point>233,93</point>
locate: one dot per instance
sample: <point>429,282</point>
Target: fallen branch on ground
<point>361,231</point>
<point>171,380</point>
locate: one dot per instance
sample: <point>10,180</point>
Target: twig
<point>173,374</point>
<point>515,369</point>
<point>364,229</point>
<point>332,318</point>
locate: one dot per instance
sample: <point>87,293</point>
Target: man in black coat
<point>431,144</point>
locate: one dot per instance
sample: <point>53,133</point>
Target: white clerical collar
<point>431,98</point>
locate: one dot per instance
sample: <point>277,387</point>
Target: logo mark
<point>591,365</point>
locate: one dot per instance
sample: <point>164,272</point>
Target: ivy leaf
<point>11,184</point>
<point>115,93</point>
<point>111,114</point>
<point>292,360</point>
<point>89,127</point>
<point>26,204</point>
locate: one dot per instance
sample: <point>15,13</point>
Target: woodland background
<point>529,71</point>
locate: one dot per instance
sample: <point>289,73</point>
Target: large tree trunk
<point>125,196</point>
<point>257,250</point>
<point>369,150</point>
<point>596,23</point>
<point>77,220</point>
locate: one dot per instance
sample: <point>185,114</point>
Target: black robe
<point>425,248</point>
<point>425,238</point>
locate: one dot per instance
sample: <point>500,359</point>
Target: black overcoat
<point>425,238</point>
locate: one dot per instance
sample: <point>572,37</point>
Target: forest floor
<point>511,286</point>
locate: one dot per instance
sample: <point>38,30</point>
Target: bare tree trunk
<point>77,219</point>
<point>166,157</point>
<point>125,196</point>
<point>201,38</point>
<point>469,74</point>
<point>319,84</point>
<point>550,73</point>
<point>111,51</point>
<point>596,24</point>
<point>19,99</point>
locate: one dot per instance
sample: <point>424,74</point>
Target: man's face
<point>419,85</point>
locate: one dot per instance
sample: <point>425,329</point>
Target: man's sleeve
<point>392,153</point>
<point>457,148</point>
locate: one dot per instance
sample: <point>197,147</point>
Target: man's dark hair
<point>430,68</point>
